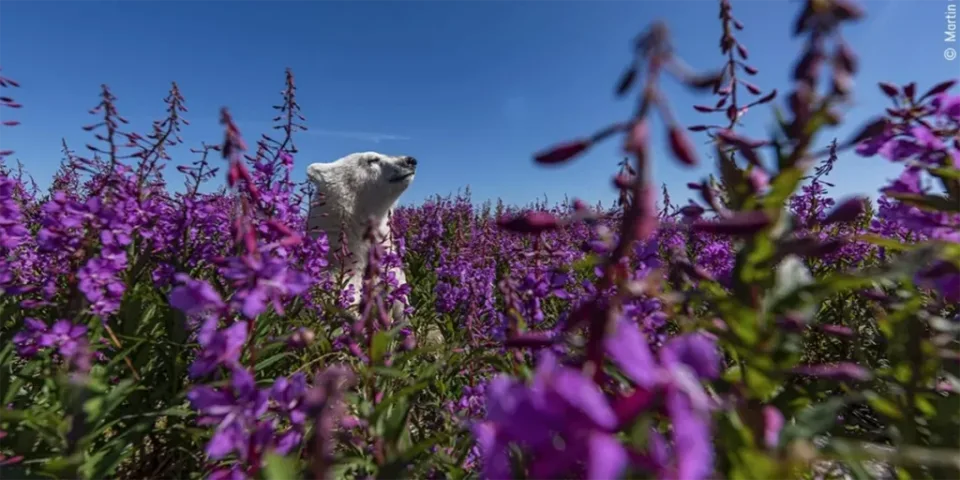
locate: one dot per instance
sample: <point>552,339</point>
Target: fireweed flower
<point>292,412</point>
<point>917,142</point>
<point>66,337</point>
<point>262,281</point>
<point>287,395</point>
<point>218,347</point>
<point>560,402</point>
<point>946,106</point>
<point>66,341</point>
<point>247,425</point>
<point>27,341</point>
<point>920,143</point>
<point>235,410</point>
<point>194,296</point>
<point>683,362</point>
<point>100,282</point>
<point>13,233</point>
<point>12,230</point>
<point>61,223</point>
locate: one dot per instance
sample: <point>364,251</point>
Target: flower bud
<point>530,223</point>
<point>910,90</point>
<point>701,82</point>
<point>692,211</point>
<point>889,89</point>
<point>530,340</point>
<point>732,113</point>
<point>740,223</point>
<point>626,81</point>
<point>847,211</point>
<point>939,88</point>
<point>836,330</point>
<point>301,338</point>
<point>845,371</point>
<point>624,181</point>
<point>742,51</point>
<point>563,152</point>
<point>846,59</point>
<point>681,147</point>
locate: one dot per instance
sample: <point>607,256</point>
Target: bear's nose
<point>410,161</point>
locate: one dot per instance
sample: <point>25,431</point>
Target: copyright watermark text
<point>950,33</point>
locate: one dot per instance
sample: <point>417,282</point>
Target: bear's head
<point>365,184</point>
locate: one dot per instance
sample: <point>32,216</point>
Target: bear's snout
<point>409,162</point>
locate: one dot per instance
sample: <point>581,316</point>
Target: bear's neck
<point>350,248</point>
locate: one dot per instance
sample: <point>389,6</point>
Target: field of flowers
<point>766,331</point>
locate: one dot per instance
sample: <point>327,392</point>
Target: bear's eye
<point>372,160</point>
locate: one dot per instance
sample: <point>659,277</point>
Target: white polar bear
<point>355,189</point>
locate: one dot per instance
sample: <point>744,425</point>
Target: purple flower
<point>287,395</point>
<point>218,347</point>
<point>696,350</point>
<point>683,362</point>
<point>235,411</point>
<point>100,282</point>
<point>12,230</point>
<point>260,281</point>
<point>27,341</point>
<point>772,425</point>
<point>560,402</point>
<point>194,296</point>
<point>692,439</point>
<point>69,341</point>
<point>66,337</point>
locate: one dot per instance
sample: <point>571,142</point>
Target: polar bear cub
<point>356,188</point>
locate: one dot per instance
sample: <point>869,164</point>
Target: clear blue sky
<point>471,88</point>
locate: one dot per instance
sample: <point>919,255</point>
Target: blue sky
<point>470,88</point>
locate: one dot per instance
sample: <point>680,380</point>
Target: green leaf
<point>814,420</point>
<point>344,465</point>
<point>271,360</point>
<point>883,406</point>
<point>945,173</point>
<point>395,422</point>
<point>281,468</point>
<point>732,178</point>
<point>753,464</point>
<point>380,344</point>
<point>99,407</point>
<point>396,467</point>
<point>929,202</point>
<point>752,271</point>
<point>782,187</point>
<point>389,372</point>
<point>887,243</point>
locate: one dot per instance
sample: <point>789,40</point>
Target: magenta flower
<point>194,296</point>
<point>218,347</point>
<point>27,341</point>
<point>235,411</point>
<point>561,402</point>
<point>683,362</point>
<point>262,281</point>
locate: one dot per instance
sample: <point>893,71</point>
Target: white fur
<point>355,189</point>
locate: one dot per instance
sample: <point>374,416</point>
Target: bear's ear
<point>315,171</point>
